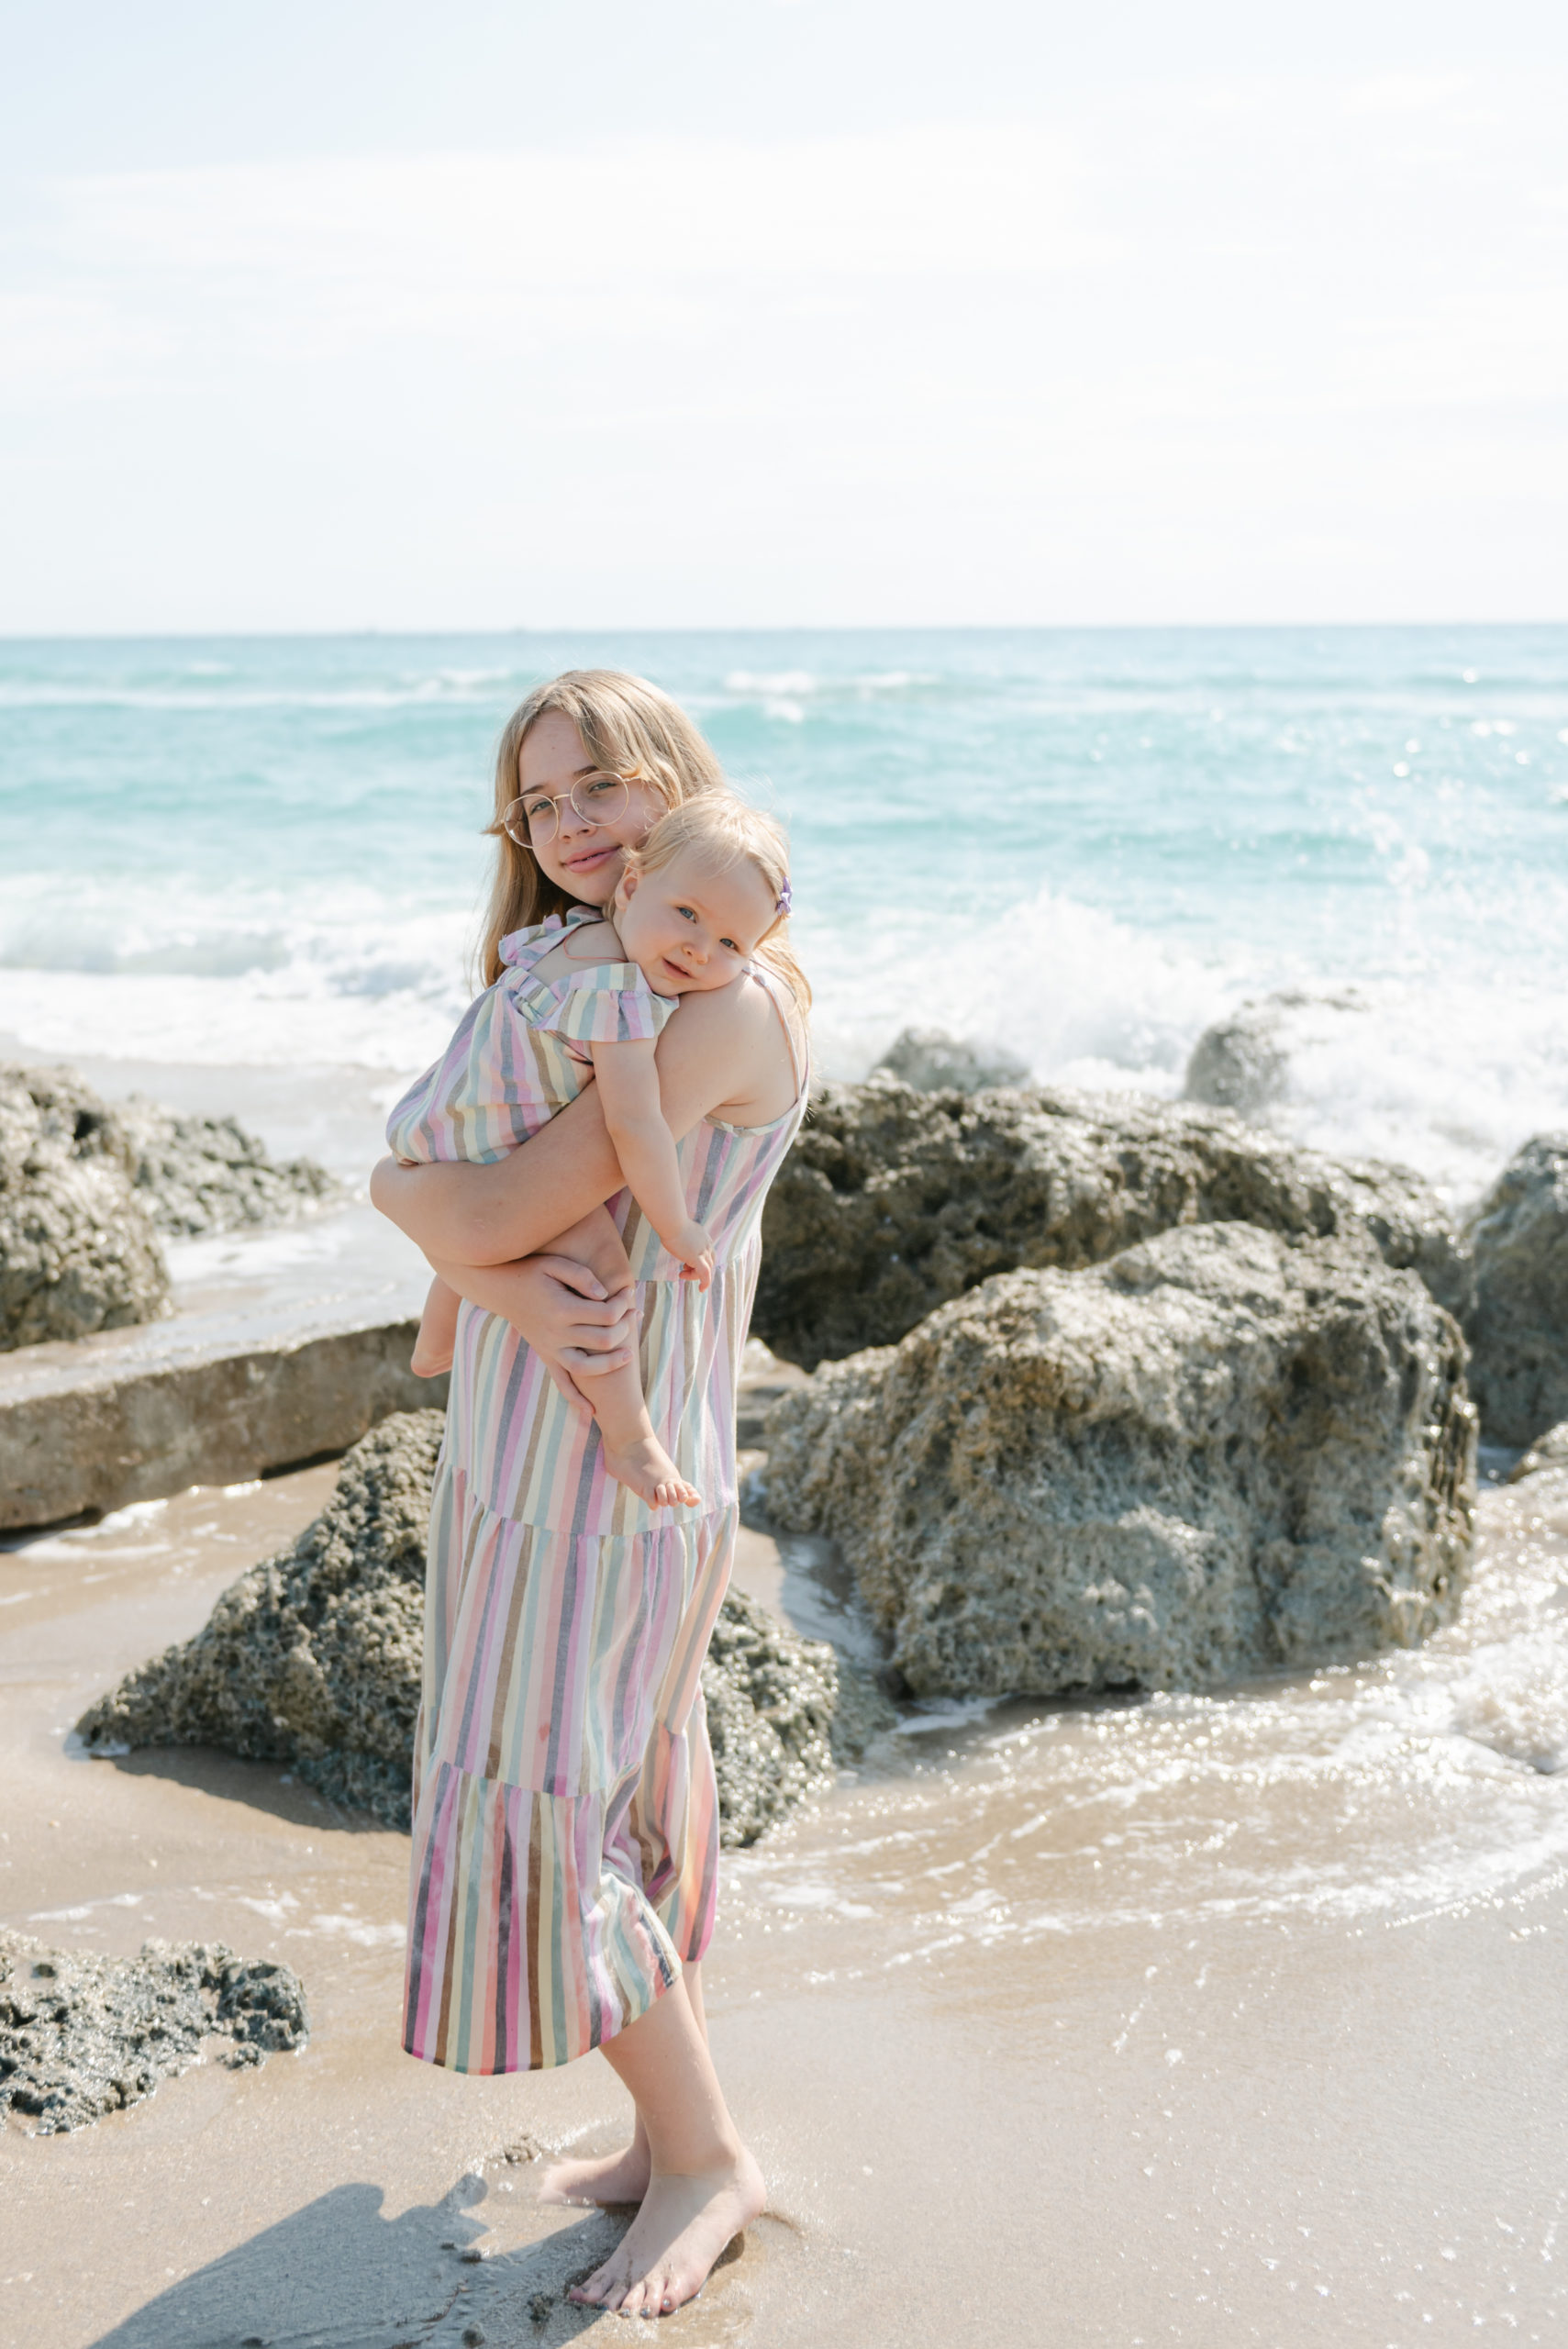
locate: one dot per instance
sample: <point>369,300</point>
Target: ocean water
<point>1085,845</point>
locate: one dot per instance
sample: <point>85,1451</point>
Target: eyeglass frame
<point>600,774</point>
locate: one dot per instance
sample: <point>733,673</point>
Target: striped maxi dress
<point>565,1813</point>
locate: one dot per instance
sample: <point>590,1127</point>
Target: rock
<point>209,1400</point>
<point>1519,1332</point>
<point>1238,1062</point>
<point>891,1202</point>
<point>783,1713</point>
<point>1548,1450</point>
<point>934,1062</point>
<point>77,1248</point>
<point>205,1174</point>
<point>313,1658</point>
<point>1216,1453</point>
<point>1242,1062</point>
<point>82,2035</point>
<point>84,1189</point>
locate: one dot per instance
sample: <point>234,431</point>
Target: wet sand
<point>1055,2025</point>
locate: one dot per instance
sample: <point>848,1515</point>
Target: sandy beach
<point>1194,2118</point>
<point>1012,555</point>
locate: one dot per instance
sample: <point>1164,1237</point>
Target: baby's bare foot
<point>429,1358</point>
<point>614,2177</point>
<point>665,2255</point>
<point>645,1466</point>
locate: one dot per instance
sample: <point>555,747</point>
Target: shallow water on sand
<point>1414,1783</point>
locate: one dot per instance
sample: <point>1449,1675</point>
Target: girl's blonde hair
<point>722,830</point>
<point>629,728</point>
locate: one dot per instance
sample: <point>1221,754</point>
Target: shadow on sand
<point>338,2275</point>
<point>270,1787</point>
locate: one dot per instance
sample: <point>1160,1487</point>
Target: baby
<point>583,1002</point>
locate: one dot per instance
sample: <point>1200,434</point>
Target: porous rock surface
<point>77,1248</point>
<point>1519,1330</point>
<point>933,1062</point>
<point>1215,1453</point>
<point>891,1201</point>
<point>313,1658</point>
<point>206,1174</point>
<point>82,2035</point>
<point>783,1714</point>
<point>85,1189</point>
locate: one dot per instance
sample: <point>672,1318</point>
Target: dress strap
<point>521,948</point>
<point>778,992</point>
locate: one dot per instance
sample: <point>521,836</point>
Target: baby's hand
<point>694,1249</point>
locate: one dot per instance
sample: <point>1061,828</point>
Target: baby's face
<point>688,928</point>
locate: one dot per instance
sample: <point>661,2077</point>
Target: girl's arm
<point>634,1120</point>
<point>708,1059</point>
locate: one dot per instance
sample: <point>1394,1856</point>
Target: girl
<point>584,1001</point>
<point>565,1831</point>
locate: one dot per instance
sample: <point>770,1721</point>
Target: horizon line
<point>783,628</point>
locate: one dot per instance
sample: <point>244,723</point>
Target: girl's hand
<point>694,1249</point>
<point>577,1329</point>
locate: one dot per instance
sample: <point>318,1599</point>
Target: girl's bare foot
<point>647,1469</point>
<point>430,1357</point>
<point>613,2177</point>
<point>664,2257</point>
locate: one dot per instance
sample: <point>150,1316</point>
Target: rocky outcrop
<point>85,1189</point>
<point>1242,1062</point>
<point>1548,1450</point>
<point>892,1202</point>
<point>77,1248</point>
<point>933,1062</point>
<point>783,1714</point>
<point>82,2035</point>
<point>313,1658</point>
<point>206,1174</point>
<point>1239,1062</point>
<point>1519,1332</point>
<point>1216,1453</point>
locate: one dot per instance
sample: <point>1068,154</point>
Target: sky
<point>762,313</point>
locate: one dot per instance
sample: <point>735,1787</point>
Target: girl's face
<point>583,855</point>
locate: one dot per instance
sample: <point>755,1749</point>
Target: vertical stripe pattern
<point>565,1814</point>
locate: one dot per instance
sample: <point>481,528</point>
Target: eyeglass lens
<point>533,820</point>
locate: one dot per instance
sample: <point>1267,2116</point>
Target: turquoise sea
<point>1084,844</point>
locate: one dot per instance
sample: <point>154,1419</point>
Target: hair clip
<point>786,898</point>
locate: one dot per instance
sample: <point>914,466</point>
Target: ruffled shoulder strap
<point>521,948</point>
<point>605,1003</point>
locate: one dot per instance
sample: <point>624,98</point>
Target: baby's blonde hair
<point>629,728</point>
<point>722,830</point>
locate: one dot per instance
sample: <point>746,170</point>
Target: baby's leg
<point>633,1453</point>
<point>438,1332</point>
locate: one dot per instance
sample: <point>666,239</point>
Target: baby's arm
<point>628,1095</point>
<point>434,1345</point>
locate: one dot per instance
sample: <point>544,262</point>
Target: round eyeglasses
<point>595,798</point>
